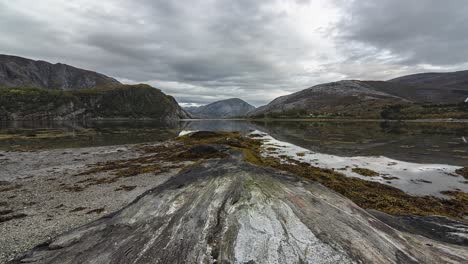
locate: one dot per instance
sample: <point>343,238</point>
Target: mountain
<point>22,72</point>
<point>452,80</point>
<point>122,101</point>
<point>343,98</point>
<point>450,87</point>
<point>233,107</point>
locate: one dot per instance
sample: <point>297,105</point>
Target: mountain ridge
<point>233,107</point>
<point>369,99</point>
<point>18,71</point>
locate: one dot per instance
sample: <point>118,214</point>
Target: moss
<point>366,194</point>
<point>365,172</point>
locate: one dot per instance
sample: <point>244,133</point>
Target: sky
<point>202,51</point>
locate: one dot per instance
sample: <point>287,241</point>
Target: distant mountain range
<point>368,99</point>
<point>38,90</point>
<point>21,72</point>
<point>229,108</point>
<point>425,95</point>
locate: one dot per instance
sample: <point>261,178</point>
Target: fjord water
<point>418,158</point>
<point>419,142</point>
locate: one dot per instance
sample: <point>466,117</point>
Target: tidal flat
<point>46,192</point>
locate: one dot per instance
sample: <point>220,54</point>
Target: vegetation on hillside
<point>388,112</point>
<point>118,101</point>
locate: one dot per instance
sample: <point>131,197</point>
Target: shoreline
<point>45,196</point>
<point>55,191</point>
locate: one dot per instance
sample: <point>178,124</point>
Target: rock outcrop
<point>229,211</point>
<point>116,102</point>
<point>234,107</point>
<point>22,72</point>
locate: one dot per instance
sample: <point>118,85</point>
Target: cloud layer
<point>206,50</point>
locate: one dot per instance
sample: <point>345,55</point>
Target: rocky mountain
<point>234,107</point>
<point>343,98</point>
<point>22,72</point>
<point>450,87</point>
<point>122,101</point>
<point>451,80</point>
<point>371,99</point>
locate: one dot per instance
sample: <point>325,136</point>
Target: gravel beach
<point>46,193</point>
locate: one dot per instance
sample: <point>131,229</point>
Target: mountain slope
<point>343,98</point>
<point>123,101</point>
<point>454,80</point>
<point>450,87</point>
<point>222,109</point>
<point>22,72</point>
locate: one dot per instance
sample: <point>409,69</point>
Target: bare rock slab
<point>228,211</point>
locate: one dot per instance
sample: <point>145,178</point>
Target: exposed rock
<point>228,211</point>
<point>345,98</point>
<point>122,101</point>
<point>234,107</point>
<point>22,72</point>
<point>434,227</point>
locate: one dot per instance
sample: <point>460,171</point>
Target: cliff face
<point>124,101</point>
<point>234,107</point>
<point>22,72</point>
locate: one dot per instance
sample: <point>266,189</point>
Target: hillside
<point>342,99</point>
<point>452,80</point>
<point>450,87</point>
<point>22,72</point>
<point>123,101</point>
<point>234,107</point>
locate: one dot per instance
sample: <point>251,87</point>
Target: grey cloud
<point>202,50</point>
<point>418,31</point>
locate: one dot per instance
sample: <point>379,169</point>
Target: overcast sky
<point>201,51</point>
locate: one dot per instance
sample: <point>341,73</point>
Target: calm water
<point>443,143</point>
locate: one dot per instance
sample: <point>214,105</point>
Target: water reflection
<point>442,143</point>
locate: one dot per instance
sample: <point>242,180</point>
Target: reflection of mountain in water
<point>414,142</point>
<point>219,125</point>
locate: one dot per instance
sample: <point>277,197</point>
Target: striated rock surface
<point>229,211</point>
<point>234,107</point>
<point>16,71</point>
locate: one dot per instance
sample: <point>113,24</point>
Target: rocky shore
<point>203,198</point>
<point>44,193</point>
